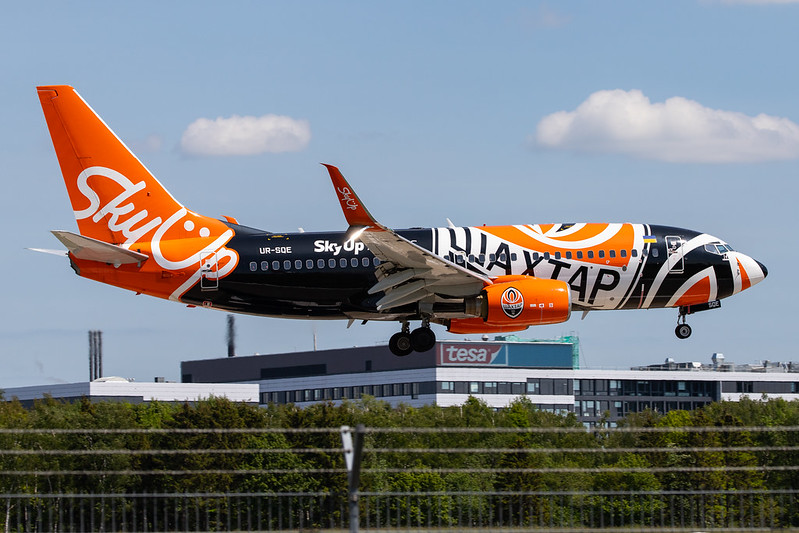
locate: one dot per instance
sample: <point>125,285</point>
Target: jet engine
<point>513,303</point>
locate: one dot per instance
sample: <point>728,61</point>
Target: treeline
<point>570,475</point>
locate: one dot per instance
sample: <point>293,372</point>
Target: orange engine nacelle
<point>513,303</point>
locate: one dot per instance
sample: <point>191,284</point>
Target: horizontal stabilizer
<point>93,250</point>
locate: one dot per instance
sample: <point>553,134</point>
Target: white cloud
<point>245,135</point>
<point>677,130</point>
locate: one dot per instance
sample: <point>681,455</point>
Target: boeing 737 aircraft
<point>489,279</point>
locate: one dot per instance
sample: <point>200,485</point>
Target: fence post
<point>353,448</point>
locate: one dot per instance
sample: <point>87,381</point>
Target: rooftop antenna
<point>231,335</point>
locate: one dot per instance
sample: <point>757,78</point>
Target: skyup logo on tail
<point>512,302</point>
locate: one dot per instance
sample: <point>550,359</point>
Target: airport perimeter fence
<point>401,479</point>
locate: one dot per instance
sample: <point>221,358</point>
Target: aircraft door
<point>674,253</point>
<point>209,271</point>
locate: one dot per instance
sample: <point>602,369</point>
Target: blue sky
<point>431,110</point>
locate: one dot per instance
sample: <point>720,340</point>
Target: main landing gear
<point>422,339</point>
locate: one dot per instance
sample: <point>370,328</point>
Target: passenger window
<point>568,255</point>
<point>264,265</point>
<point>342,262</point>
<point>601,253</point>
<point>287,264</point>
<point>513,257</point>
<point>298,264</point>
<point>579,254</point>
<point>375,261</point>
<point>275,265</point>
<point>331,263</point>
<point>503,257</point>
<point>557,255</point>
<point>481,258</point>
<point>590,254</point>
<point>253,266</point>
<point>471,258</point>
<point>535,256</point>
<point>612,253</point>
<point>320,263</point>
<point>623,253</point>
<point>492,257</point>
<point>546,255</point>
<point>354,262</point>
<point>309,263</point>
<point>633,253</point>
<point>654,252</point>
<point>365,261</point>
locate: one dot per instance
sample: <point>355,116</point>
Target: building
<point>123,390</point>
<point>497,372</point>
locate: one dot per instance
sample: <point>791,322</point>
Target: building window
<point>475,388</point>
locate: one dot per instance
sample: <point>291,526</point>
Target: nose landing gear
<point>683,330</point>
<point>422,339</point>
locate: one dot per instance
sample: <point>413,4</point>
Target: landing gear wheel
<point>683,331</point>
<point>400,344</point>
<point>423,339</point>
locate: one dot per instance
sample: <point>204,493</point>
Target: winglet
<point>354,210</point>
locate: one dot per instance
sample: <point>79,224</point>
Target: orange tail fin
<point>115,198</point>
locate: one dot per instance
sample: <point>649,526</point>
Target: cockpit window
<point>718,248</point>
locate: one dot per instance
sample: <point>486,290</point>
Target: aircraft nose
<point>763,268</point>
<point>753,270</point>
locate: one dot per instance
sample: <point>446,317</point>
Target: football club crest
<point>512,302</point>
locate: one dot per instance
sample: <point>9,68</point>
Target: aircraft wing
<point>90,249</point>
<point>408,273</point>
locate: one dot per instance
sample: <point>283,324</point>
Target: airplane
<point>135,235</point>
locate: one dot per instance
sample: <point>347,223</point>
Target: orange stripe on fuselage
<point>745,281</point>
<point>624,239</point>
<point>699,293</point>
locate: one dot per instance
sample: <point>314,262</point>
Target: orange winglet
<point>354,210</point>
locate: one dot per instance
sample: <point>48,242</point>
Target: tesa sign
<point>470,354</point>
